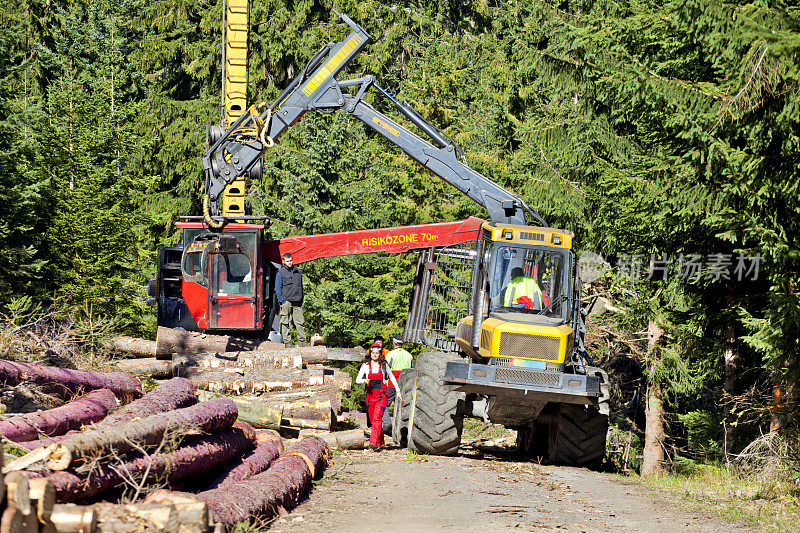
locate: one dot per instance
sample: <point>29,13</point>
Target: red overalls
<point>376,404</point>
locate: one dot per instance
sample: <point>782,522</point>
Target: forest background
<point>647,128</point>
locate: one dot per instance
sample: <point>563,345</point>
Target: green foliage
<point>644,127</point>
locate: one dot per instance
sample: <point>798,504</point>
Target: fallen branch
<point>72,416</point>
<point>66,382</point>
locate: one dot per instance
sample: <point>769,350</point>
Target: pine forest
<point>664,134</point>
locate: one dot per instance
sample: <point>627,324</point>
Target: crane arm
<point>316,89</point>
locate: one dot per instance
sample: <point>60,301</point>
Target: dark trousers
<point>386,421</point>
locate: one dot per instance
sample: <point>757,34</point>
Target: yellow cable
<point>265,139</point>
<point>207,215</point>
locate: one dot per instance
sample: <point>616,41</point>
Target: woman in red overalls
<point>373,373</point>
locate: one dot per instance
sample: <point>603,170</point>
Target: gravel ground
<point>484,488</point>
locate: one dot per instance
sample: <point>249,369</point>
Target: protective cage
<point>441,296</point>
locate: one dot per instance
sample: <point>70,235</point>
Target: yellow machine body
<point>512,343</point>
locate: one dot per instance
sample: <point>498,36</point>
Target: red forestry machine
<point>494,355</point>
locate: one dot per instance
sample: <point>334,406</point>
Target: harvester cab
<point>223,276</point>
<point>523,312</point>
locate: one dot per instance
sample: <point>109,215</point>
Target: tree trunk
<point>134,346</point>
<point>247,466</point>
<point>210,416</point>
<point>71,518</point>
<point>653,460</point>
<point>283,484</point>
<point>169,341</point>
<point>730,359</point>
<point>176,393</point>
<point>67,383</point>
<point>152,367</point>
<point>314,412</point>
<point>345,440</point>
<point>130,518</point>
<point>262,358</point>
<point>72,416</point>
<point>192,458</point>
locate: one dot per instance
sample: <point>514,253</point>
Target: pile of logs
<point>111,442</point>
<point>273,386</point>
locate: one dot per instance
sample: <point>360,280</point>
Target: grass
<point>477,429</point>
<point>768,505</point>
<point>414,456</point>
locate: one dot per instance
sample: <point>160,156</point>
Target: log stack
<point>108,442</point>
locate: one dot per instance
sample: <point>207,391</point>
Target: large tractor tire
<point>534,441</point>
<point>578,436</point>
<point>402,410</point>
<point>436,414</point>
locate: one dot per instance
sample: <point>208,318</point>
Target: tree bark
<point>192,458</point>
<point>72,416</point>
<point>283,484</point>
<point>134,346</point>
<point>210,416</point>
<point>169,341</point>
<point>66,383</point>
<point>653,460</point>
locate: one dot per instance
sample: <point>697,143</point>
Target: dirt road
<point>483,489</point>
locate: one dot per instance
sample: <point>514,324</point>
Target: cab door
<point>235,283</point>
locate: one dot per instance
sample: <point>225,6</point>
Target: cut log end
<point>43,497</point>
<point>11,521</point>
<point>18,492</point>
<point>60,458</point>
<point>71,518</point>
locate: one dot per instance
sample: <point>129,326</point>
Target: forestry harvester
<point>515,361</point>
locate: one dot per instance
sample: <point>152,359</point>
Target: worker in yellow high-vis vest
<point>523,292</point>
<point>398,360</point>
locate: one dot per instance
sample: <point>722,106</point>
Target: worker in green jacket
<point>398,360</point>
<point>523,292</point>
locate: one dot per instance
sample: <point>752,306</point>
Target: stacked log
<point>71,416</point>
<point>67,383</point>
<point>281,486</point>
<point>190,459</point>
<point>90,449</point>
<point>133,346</point>
<point>209,417</point>
<point>314,411</point>
<point>151,367</point>
<point>173,394</point>
<point>170,341</point>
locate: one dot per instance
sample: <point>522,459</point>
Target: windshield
<point>527,280</point>
<point>233,272</point>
